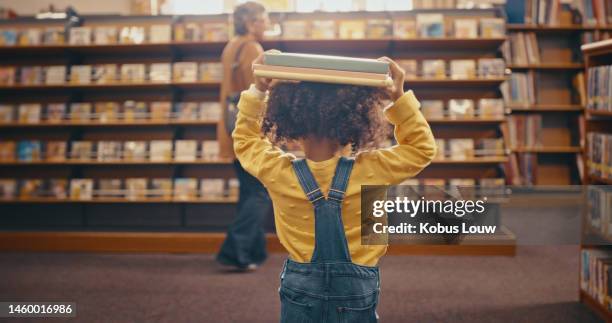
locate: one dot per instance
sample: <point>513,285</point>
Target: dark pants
<point>245,242</point>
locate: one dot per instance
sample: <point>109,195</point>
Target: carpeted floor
<point>540,284</point>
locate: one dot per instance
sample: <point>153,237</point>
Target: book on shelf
<point>212,187</point>
<point>58,188</point>
<point>134,110</point>
<point>79,36</point>
<point>461,182</point>
<point>30,37</point>
<point>160,33</point>
<point>430,25</point>
<point>519,90</point>
<point>599,155</point>
<point>492,27</point>
<point>160,72</point>
<point>460,108</point>
<point>136,188</point>
<point>185,188</point>
<point>233,188</point>
<point>525,130</point>
<point>31,75</point>
<point>185,72</point>
<point>134,150</point>
<point>436,4</point>
<point>599,89</point>
<point>132,35</point>
<point>160,150</point>
<point>55,112</point>
<point>596,271</point>
<point>211,72</point>
<point>55,74</point>
<point>105,35</point>
<point>8,188</point>
<point>462,69</point>
<point>55,150</point>
<point>80,74</point>
<point>465,28</point>
<point>7,113</point>
<point>404,29</point>
<point>210,150</point>
<point>30,188</point>
<point>133,73</point>
<point>81,188</point>
<point>378,29</point>
<point>351,29</point>
<point>210,111</point>
<point>29,113</point>
<point>491,67</point>
<point>8,37</point>
<point>29,150</point>
<point>187,32</point>
<point>7,75</point>
<point>578,86</point>
<point>160,110</point>
<point>80,111</point>
<point>432,109</point>
<point>81,150</point>
<point>105,73</point>
<point>440,149</point>
<point>461,148</point>
<point>185,150</point>
<point>108,150</point>
<point>8,150</point>
<point>161,187</point>
<point>295,29</point>
<point>106,111</point>
<point>54,36</point>
<point>215,31</point>
<point>410,67</point>
<point>489,147</point>
<point>323,29</point>
<point>434,68</point>
<point>109,187</point>
<point>187,111</point>
<point>491,108</point>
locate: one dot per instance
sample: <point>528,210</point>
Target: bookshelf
<point>595,244</point>
<point>207,214</point>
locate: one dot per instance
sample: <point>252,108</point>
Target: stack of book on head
<point>323,68</point>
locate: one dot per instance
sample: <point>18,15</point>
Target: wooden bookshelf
<point>548,108</point>
<point>215,214</point>
<point>554,29</point>
<point>595,54</point>
<point>548,150</point>
<point>557,66</point>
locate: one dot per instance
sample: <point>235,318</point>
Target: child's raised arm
<point>416,145</point>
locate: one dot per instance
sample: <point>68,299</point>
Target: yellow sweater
<point>293,213</point>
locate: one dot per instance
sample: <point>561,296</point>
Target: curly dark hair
<point>349,114</point>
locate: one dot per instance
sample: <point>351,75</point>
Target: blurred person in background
<point>245,246</point>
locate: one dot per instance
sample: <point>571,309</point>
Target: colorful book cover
<point>80,36</point>
<point>430,25</point>
<point>110,187</point>
<point>80,111</point>
<point>295,29</point>
<point>55,74</point>
<point>404,29</point>
<point>187,111</point>
<point>7,113</point>
<point>30,37</point>
<point>491,67</point>
<point>80,74</point>
<point>135,150</point>
<point>31,75</point>
<point>136,188</point>
<point>81,150</point>
<point>7,150</point>
<point>185,150</point>
<point>81,189</point>
<point>160,33</point>
<point>106,111</point>
<point>352,29</point>
<point>29,150</point>
<point>109,150</point>
<point>134,110</point>
<point>492,27</point>
<point>31,188</point>
<point>461,149</point>
<point>54,36</point>
<point>105,35</point>
<point>7,75</point>
<point>160,150</point>
<point>161,111</point>
<point>215,31</point>
<point>55,150</point>
<point>210,111</point>
<point>58,188</point>
<point>379,29</point>
<point>466,28</point>
<point>133,73</point>
<point>161,187</point>
<point>105,74</point>
<point>8,37</point>
<point>187,32</point>
<point>210,72</point>
<point>233,187</point>
<point>30,113</point>
<point>434,68</point>
<point>160,72</point>
<point>185,72</point>
<point>132,35</point>
<point>492,108</point>
<point>460,108</point>
<point>185,188</point>
<point>323,29</point>
<point>490,147</point>
<point>432,109</point>
<point>463,69</point>
<point>8,188</point>
<point>212,188</point>
<point>210,149</point>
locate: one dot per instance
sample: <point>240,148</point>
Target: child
<point>329,275</point>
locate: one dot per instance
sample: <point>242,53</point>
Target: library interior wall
<point>31,7</point>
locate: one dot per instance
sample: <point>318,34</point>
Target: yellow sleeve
<point>255,152</point>
<point>415,147</point>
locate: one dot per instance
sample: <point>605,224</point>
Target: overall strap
<point>308,182</point>
<point>340,181</point>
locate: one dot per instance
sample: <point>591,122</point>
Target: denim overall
<point>330,288</point>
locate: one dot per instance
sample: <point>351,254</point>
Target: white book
<point>30,36</point>
<point>80,74</point>
<point>185,72</point>
<point>463,69</point>
<point>185,150</point>
<point>105,74</point>
<point>212,187</point>
<point>466,28</point>
<point>491,67</point>
<point>29,113</point>
<point>432,109</point>
<point>461,149</point>
<point>109,150</point>
<point>160,33</point>
<point>8,189</point>
<point>81,150</point>
<point>434,68</point>
<point>210,111</point>
<point>136,188</point>
<point>132,35</point>
<point>461,108</point>
<point>160,72</point>
<point>491,108</point>
<point>211,71</point>
<point>105,35</point>
<point>135,150</point>
<point>210,149</point>
<point>55,74</point>
<point>133,73</point>
<point>81,189</point>
<point>160,150</point>
<point>80,36</point>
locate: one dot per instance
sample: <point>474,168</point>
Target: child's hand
<point>397,74</point>
<point>262,84</point>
